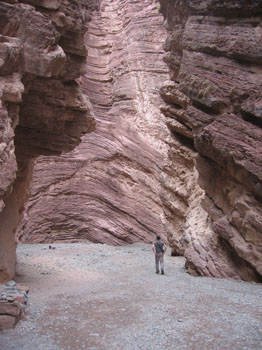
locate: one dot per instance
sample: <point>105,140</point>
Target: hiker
<point>159,249</point>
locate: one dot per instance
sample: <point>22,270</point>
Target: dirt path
<point>97,297</point>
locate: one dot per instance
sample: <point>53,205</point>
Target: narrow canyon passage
<point>110,188</point>
<point>86,296</point>
<point>145,118</point>
<point>160,160</point>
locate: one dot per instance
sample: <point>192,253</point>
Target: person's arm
<point>165,247</point>
<point>153,248</point>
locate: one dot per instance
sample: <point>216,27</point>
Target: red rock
<point>12,309</point>
<point>19,298</point>
<point>217,53</point>
<point>22,287</point>
<point>133,178</point>
<point>7,322</point>
<point>42,110</point>
<point>111,184</point>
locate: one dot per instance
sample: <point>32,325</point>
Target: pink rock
<point>7,322</point>
<point>111,184</point>
<point>19,298</point>
<point>216,64</point>
<point>42,109</point>
<point>22,287</point>
<point>12,309</point>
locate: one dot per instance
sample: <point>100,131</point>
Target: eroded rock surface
<point>42,110</point>
<point>131,179</point>
<point>129,186</point>
<point>109,189</point>
<point>214,55</point>
<point>13,300</point>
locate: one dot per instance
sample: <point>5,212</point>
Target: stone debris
<point>13,300</point>
<point>109,298</point>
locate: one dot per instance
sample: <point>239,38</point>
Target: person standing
<point>159,249</point>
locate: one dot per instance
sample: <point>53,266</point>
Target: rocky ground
<point>97,297</point>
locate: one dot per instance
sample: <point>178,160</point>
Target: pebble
<point>10,283</point>
<point>10,298</point>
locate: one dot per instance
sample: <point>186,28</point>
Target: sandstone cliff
<point>42,110</point>
<point>112,192</point>
<point>139,173</point>
<point>129,186</point>
<point>214,55</point>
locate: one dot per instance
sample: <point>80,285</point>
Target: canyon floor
<point>99,297</point>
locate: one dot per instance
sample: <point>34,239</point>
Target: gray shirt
<point>159,247</point>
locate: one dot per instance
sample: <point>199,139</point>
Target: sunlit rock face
<point>42,110</point>
<point>118,186</point>
<point>214,97</point>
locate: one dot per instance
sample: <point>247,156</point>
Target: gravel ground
<point>98,297</point>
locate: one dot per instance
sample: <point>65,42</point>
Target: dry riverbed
<point>86,296</point>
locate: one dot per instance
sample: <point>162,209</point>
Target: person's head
<point>158,238</point>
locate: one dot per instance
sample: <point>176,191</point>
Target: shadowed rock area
<point>42,110</point>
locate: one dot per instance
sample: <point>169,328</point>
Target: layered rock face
<point>13,300</point>
<point>42,110</point>
<point>214,98</point>
<point>138,174</point>
<point>122,189</point>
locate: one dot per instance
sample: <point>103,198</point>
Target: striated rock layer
<point>118,186</point>
<point>42,110</point>
<point>214,97</point>
<point>136,179</point>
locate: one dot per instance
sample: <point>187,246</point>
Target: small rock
<point>22,288</point>
<point>12,309</point>
<point>20,298</point>
<point>7,322</point>
<point>10,283</point>
<point>10,299</point>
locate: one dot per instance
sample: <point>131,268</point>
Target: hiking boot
<point>157,271</point>
<point>162,272</point>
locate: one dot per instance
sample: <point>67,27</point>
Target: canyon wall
<point>128,186</point>
<point>187,165</point>
<point>42,110</point>
<point>214,52</point>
